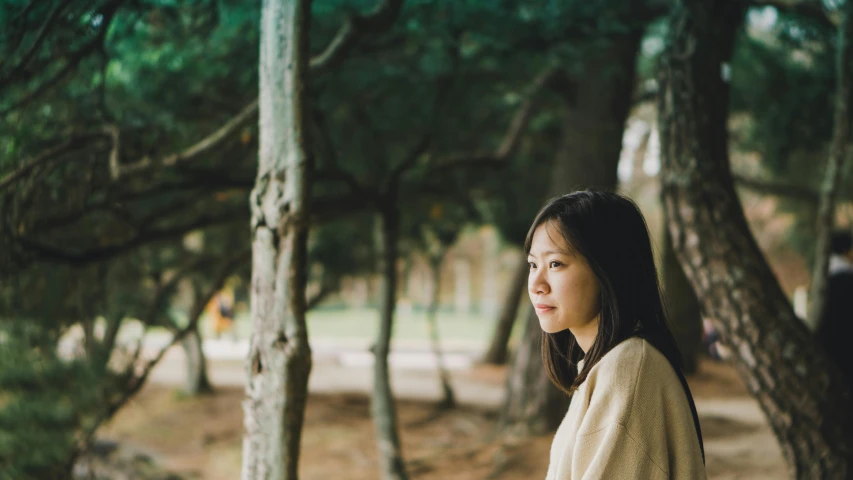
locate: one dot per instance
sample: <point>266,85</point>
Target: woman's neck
<point>585,335</point>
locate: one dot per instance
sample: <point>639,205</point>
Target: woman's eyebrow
<point>549,252</point>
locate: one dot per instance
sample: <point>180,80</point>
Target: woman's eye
<point>531,265</point>
<point>555,264</point>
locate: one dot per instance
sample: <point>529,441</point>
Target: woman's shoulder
<point>630,361</point>
<point>626,379</point>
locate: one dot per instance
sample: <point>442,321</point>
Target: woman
<point>606,342</point>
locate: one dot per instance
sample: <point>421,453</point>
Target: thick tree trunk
<point>382,406</point>
<point>197,381</point>
<point>588,157</point>
<point>279,360</point>
<point>682,306</point>
<point>499,346</point>
<point>449,399</point>
<point>832,177</point>
<point>803,395</point>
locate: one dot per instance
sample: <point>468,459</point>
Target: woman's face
<point>562,286</point>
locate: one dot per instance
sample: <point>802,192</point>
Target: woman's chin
<point>550,327</point>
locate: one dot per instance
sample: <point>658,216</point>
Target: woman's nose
<point>536,283</point>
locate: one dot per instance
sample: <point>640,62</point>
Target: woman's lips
<point>541,308</point>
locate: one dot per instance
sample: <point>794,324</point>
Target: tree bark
<point>197,381</point>
<point>382,407</point>
<point>279,360</point>
<point>803,395</point>
<point>682,306</point>
<point>449,399</point>
<point>498,350</point>
<point>588,157</point>
<point>832,176</point>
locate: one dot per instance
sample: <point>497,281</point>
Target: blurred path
<point>345,366</point>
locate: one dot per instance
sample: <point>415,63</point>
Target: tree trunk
<point>533,405</point>
<point>682,306</point>
<point>279,360</point>
<point>197,381</point>
<point>832,176</point>
<point>449,399</point>
<point>498,347</point>
<point>588,157</point>
<point>803,395</point>
<point>382,406</point>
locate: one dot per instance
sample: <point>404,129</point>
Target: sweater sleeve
<point>612,452</point>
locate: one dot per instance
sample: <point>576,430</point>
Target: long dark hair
<point>609,231</point>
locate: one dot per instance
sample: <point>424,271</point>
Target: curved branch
<point>378,21</point>
<point>201,147</point>
<point>142,237</point>
<point>46,157</point>
<point>498,157</point>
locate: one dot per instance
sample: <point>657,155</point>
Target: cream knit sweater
<point>629,420</point>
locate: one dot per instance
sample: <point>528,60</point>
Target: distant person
<point>221,310</point>
<point>835,329</point>
<point>711,340</point>
<point>606,342</point>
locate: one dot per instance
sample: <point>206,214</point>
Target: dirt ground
<point>200,438</point>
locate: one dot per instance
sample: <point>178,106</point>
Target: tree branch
<point>17,35</point>
<point>58,255</point>
<point>795,192</point>
<point>326,288</point>
<point>201,184</point>
<point>46,156</point>
<point>378,21</point>
<point>40,36</point>
<point>510,140</point>
<point>202,146</point>
<point>421,147</point>
<point>108,11</point>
